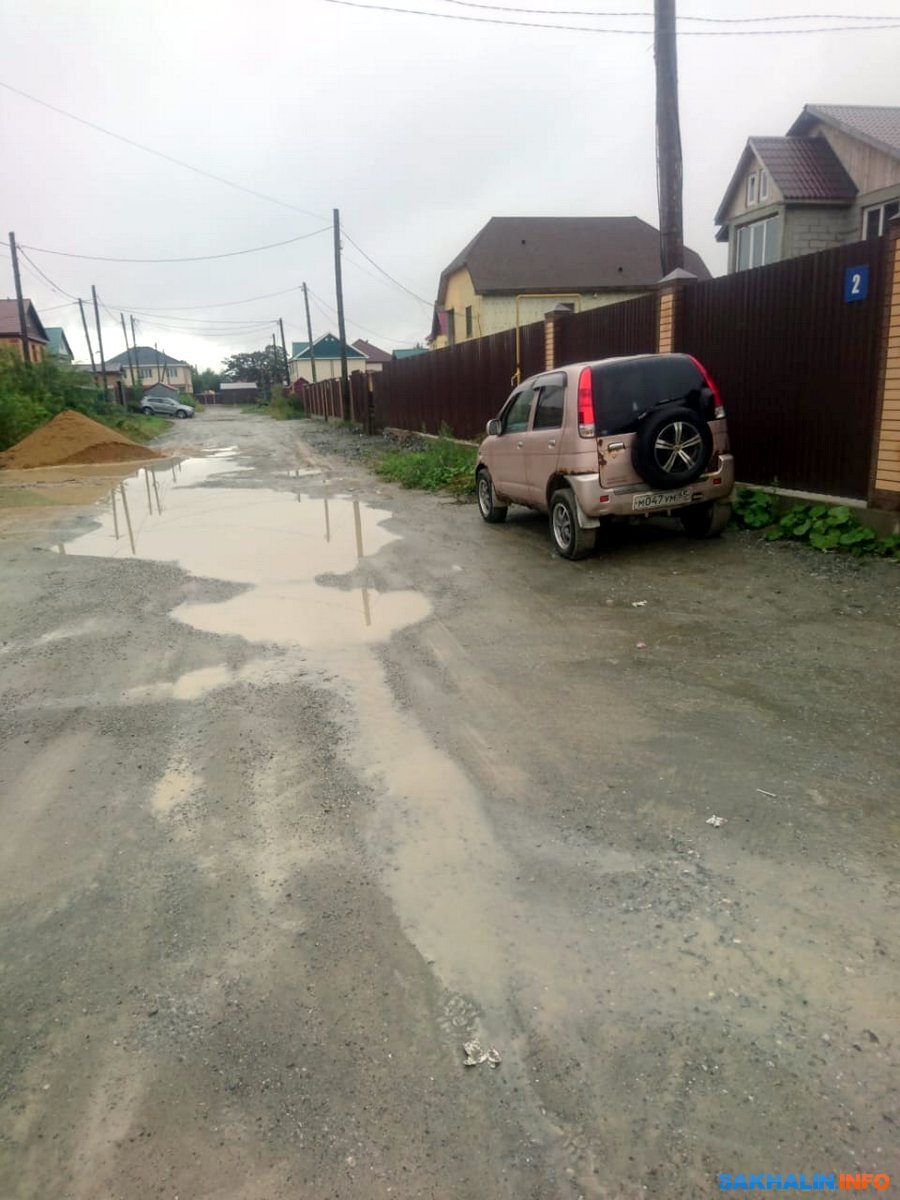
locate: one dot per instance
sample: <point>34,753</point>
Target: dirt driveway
<point>306,781</point>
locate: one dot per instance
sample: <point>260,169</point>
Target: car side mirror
<point>494,428</point>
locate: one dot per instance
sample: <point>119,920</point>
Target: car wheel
<point>492,513</point>
<point>181,414</point>
<point>705,520</point>
<point>568,536</point>
<point>147,410</point>
<point>672,447</point>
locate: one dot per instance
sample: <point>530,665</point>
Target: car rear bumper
<point>597,502</point>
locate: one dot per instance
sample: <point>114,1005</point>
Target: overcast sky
<point>418,129</point>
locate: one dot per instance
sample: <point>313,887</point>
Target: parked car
<point>164,407</point>
<point>618,437</point>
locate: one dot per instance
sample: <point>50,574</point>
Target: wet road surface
<point>307,781</point>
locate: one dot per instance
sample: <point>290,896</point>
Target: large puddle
<point>276,543</point>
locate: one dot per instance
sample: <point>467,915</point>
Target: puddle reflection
<point>262,538</point>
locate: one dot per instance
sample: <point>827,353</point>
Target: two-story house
<point>11,333</point>
<point>513,268</point>
<point>326,351</point>
<point>833,179</point>
<point>153,366</point>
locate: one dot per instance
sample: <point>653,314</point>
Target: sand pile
<point>73,438</point>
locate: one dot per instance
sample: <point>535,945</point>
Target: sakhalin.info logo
<point>836,1181</point>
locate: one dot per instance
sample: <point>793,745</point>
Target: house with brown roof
<point>11,334</point>
<point>515,268</point>
<point>376,358</point>
<point>833,178</point>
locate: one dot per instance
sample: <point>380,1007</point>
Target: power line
<point>212,304</point>
<point>445,16</point>
<point>556,12</point>
<point>371,260</point>
<point>331,315</point>
<point>46,278</point>
<point>194,258</point>
<point>159,153</point>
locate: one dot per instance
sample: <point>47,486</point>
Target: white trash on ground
<point>717,822</point>
<point>475,1056</point>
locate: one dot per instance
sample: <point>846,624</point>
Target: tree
<point>31,395</point>
<point>262,367</point>
<point>206,380</point>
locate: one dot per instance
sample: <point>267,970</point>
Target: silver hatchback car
<point>618,437</point>
<point>162,406</point>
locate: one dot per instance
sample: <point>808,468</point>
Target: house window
<point>875,220</point>
<point>468,320</point>
<point>146,373</point>
<point>451,327</point>
<point>752,188</point>
<point>756,244</point>
<point>764,185</point>
<point>171,372</point>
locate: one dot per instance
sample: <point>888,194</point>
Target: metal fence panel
<point>797,366</point>
<point>629,327</point>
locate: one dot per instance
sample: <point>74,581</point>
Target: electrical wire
<point>556,12</point>
<point>428,303</point>
<point>194,258</point>
<point>159,154</point>
<point>445,16</point>
<point>46,278</point>
<point>212,304</point>
<point>331,315</point>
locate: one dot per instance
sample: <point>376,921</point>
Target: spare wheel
<point>672,447</point>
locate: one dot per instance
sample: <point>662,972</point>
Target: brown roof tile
<point>804,168</point>
<point>877,125</point>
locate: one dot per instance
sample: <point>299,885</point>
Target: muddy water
<point>452,883</point>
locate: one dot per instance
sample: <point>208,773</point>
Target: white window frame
<point>880,209</point>
<point>763,185</point>
<point>752,189</point>
<point>765,228</point>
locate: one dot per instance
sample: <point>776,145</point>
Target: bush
<point>285,406</point>
<point>753,509</point>
<point>441,465</point>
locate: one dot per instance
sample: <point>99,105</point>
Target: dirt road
<point>307,781</point>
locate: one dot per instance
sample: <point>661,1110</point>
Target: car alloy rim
<point>678,447</point>
<point>484,495</point>
<point>562,526</point>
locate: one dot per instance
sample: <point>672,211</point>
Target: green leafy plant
<point>442,465</point>
<point>826,527</point>
<point>753,509</point>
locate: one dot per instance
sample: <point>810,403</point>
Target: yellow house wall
<point>326,368</point>
<point>493,314</point>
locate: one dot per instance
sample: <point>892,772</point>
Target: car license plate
<point>650,500</point>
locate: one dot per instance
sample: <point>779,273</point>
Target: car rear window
<point>626,391</point>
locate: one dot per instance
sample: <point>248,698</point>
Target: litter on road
<point>642,646</point>
<point>717,822</point>
<point>763,792</point>
<point>475,1056</point>
<point>639,604</point>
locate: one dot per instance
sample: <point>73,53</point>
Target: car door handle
<point>519,445</point>
<point>616,446</point>
<point>550,445</point>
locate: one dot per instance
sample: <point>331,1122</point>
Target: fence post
<point>671,290</point>
<point>551,319</point>
<point>884,488</point>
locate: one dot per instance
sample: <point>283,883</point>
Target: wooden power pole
<point>312,352</point>
<point>99,345</point>
<point>131,361</point>
<point>287,373</point>
<point>87,336</point>
<point>669,169</point>
<point>20,300</point>
<point>342,333</point>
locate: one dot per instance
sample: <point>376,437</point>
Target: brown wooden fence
<point>461,386</point>
<point>626,328</point>
<point>797,366</point>
<point>323,399</point>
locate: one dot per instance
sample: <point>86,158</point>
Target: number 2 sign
<point>856,284</point>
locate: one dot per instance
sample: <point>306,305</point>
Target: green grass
<point>441,466</point>
<point>134,426</point>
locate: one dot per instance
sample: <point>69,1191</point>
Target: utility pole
<point>287,373</point>
<point>87,336</point>
<point>23,322</point>
<point>136,357</point>
<point>99,344</point>
<point>669,171</point>
<point>342,333</point>
<point>312,351</point>
<point>131,361</point>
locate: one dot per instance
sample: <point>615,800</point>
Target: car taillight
<point>586,404</point>
<point>710,383</point>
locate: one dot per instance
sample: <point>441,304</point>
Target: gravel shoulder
<point>266,866</point>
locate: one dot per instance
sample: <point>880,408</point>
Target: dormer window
<point>752,188</point>
<point>763,185</point>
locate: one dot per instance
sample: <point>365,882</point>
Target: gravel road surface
<point>306,781</point>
